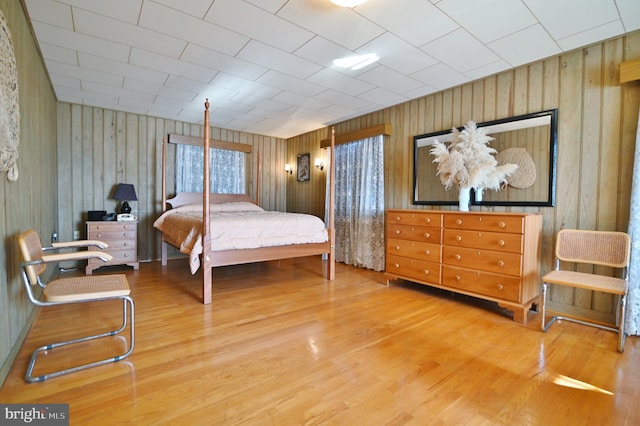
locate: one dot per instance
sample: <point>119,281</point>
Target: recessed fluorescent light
<point>356,62</point>
<point>348,3</point>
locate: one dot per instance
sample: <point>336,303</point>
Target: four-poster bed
<point>195,237</point>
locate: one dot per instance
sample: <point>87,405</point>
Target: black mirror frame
<point>553,148</point>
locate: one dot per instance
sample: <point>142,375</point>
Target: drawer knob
<point>126,255</point>
<point>99,235</point>
<point>458,238</point>
<point>126,244</point>
<point>396,265</point>
<point>458,257</point>
<point>500,287</point>
<point>501,263</point>
<point>397,218</point>
<point>458,278</point>
<point>427,219</point>
<point>501,224</point>
<point>426,272</point>
<point>501,243</point>
<point>125,234</point>
<point>427,235</point>
<point>98,227</point>
<point>397,232</point>
<point>458,221</point>
<point>427,252</point>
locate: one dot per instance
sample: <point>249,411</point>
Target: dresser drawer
<point>112,226</point>
<point>414,218</point>
<point>414,249</point>
<point>414,233</point>
<point>108,236</point>
<point>484,260</point>
<point>413,269</point>
<point>483,240</point>
<point>490,223</point>
<point>484,283</point>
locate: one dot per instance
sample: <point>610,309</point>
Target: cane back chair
<point>611,249</point>
<point>82,289</point>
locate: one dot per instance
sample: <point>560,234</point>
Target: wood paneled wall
<point>101,148</point>
<point>30,202</point>
<point>597,116</point>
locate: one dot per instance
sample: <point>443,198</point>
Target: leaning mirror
<point>528,140</point>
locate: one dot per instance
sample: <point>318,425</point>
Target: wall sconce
<point>319,164</point>
<point>288,169</point>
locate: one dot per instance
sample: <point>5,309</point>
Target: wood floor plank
<point>281,345</point>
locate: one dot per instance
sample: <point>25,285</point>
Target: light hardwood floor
<point>279,345</point>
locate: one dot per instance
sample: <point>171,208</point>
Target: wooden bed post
<point>163,244</point>
<point>207,282</point>
<point>331,260</point>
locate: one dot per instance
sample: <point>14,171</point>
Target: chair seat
<point>86,288</point>
<point>587,281</point>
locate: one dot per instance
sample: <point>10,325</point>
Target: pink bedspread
<point>236,230</point>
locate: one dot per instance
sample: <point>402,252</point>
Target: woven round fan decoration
<point>525,175</point>
<point>9,107</point>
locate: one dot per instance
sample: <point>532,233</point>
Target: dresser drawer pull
<point>500,287</point>
<point>458,257</point>
<point>427,252</point>
<point>126,244</point>
<point>501,263</point>
<point>501,243</point>
<point>125,234</point>
<point>98,227</point>
<point>396,265</point>
<point>458,221</point>
<point>397,218</point>
<point>99,235</point>
<point>458,278</point>
<point>397,232</point>
<point>427,219</point>
<point>427,235</point>
<point>501,224</point>
<point>126,255</point>
<point>426,272</point>
<point>458,238</point>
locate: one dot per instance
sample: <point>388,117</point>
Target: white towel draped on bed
<point>237,228</point>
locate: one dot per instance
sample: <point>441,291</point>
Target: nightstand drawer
<point>122,238</point>
<point>108,236</point>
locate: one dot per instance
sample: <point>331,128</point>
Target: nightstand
<point>122,238</point>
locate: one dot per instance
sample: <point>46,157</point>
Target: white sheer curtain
<point>228,174</point>
<point>359,203</point>
<point>632,325</point>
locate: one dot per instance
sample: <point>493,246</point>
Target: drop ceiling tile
<point>489,20</point>
<point>630,11</point>
<point>196,8</point>
<point>398,54</point>
<point>440,76</point>
<point>83,43</point>
<point>219,61</point>
<point>171,65</point>
<point>64,81</point>
<point>322,51</point>
<point>279,60</point>
<point>389,79</point>
<point>340,25</point>
<point>85,74</point>
<point>126,34</point>
<point>234,83</point>
<point>382,97</point>
<point>487,70</point>
<point>258,24</point>
<point>537,41</point>
<point>164,92</point>
<point>51,12</point>
<point>461,51</point>
<point>185,27</point>
<point>118,68</point>
<point>285,82</point>
<point>415,21</point>
<point>59,54</point>
<point>271,6</point>
<point>340,99</point>
<point>300,101</point>
<point>121,92</point>
<point>584,15</point>
<point>603,32</point>
<point>123,10</point>
<point>337,81</point>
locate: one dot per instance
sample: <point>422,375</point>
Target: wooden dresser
<point>492,256</point>
<point>122,238</point>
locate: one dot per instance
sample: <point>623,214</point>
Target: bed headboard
<point>183,198</point>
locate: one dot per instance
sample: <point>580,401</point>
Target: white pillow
<point>236,206</point>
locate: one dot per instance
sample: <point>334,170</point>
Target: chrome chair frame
<point>615,254</point>
<point>120,291</point>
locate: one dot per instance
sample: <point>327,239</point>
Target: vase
<point>463,199</point>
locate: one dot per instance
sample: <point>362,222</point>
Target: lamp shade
<point>125,192</point>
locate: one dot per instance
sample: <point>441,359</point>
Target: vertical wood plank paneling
<point>597,124</point>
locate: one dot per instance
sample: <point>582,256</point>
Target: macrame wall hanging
<point>9,107</point>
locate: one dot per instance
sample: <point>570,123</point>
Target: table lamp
<point>125,192</point>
